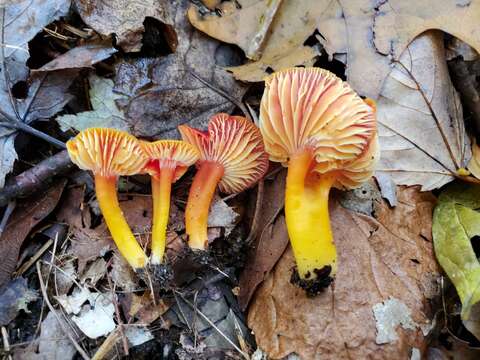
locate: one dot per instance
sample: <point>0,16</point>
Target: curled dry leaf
<point>378,259</point>
<point>123,18</point>
<point>27,214</point>
<point>371,34</point>
<point>422,133</point>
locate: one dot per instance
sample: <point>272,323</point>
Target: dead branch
<point>36,178</point>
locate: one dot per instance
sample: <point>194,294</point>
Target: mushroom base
<point>313,285</point>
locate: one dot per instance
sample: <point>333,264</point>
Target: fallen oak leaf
<point>378,260</point>
<point>420,121</point>
<point>105,112</point>
<point>27,214</point>
<point>455,222</point>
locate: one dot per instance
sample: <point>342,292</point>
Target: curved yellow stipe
<point>307,217</point>
<point>106,190</point>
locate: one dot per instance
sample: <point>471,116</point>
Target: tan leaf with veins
<point>422,134</point>
<point>390,257</point>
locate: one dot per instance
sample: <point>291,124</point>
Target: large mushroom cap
<point>305,108</point>
<point>107,152</point>
<point>169,153</point>
<point>236,144</point>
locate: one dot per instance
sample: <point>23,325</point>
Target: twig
<point>60,322</point>
<point>107,345</point>
<point>33,259</point>
<point>6,342</point>
<point>6,215</point>
<point>234,101</point>
<point>256,215</point>
<point>117,315</point>
<point>36,178</point>
<point>212,324</point>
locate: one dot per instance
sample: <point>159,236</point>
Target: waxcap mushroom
<point>109,153</point>
<point>232,156</point>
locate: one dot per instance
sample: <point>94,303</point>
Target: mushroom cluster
<point>310,121</point>
<point>230,154</point>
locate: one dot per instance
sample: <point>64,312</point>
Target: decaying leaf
<point>455,222</point>
<point>53,343</point>
<point>96,319</point>
<point>123,18</point>
<point>26,215</point>
<point>474,163</point>
<point>271,241</point>
<point>378,259</point>
<point>163,93</point>
<point>105,112</point>
<point>371,34</point>
<point>293,23</point>
<point>15,296</point>
<point>47,95</point>
<point>83,56</point>
<point>422,133</point>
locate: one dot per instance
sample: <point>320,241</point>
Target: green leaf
<point>455,221</point>
<point>105,111</point>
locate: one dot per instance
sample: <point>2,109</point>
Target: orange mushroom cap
<point>235,143</point>
<point>312,108</point>
<point>107,152</point>
<point>169,153</point>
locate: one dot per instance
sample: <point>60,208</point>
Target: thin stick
<point>60,322</point>
<point>256,216</point>
<point>117,315</point>
<point>212,324</point>
<point>33,259</point>
<point>6,343</point>
<point>6,215</point>
<point>107,345</point>
<point>234,101</point>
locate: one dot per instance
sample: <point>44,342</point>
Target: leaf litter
<point>185,78</point>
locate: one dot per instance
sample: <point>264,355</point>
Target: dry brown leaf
<point>271,241</point>
<point>70,210</point>
<point>83,56</point>
<point>123,18</point>
<point>27,214</point>
<point>422,133</point>
<point>388,258</point>
<point>293,23</point>
<point>162,93</point>
<point>372,34</point>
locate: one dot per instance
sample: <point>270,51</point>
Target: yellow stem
<point>106,190</point>
<point>199,199</point>
<point>161,189</point>
<point>306,212</point>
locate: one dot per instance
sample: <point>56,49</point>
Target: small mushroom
<point>168,161</point>
<point>315,124</point>
<point>109,153</point>
<point>232,156</point>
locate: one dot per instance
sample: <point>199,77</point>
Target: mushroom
<point>315,124</point>
<point>168,161</point>
<point>109,153</point>
<point>232,156</point>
